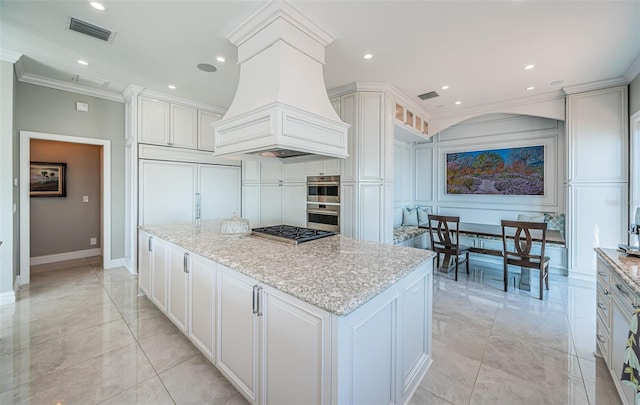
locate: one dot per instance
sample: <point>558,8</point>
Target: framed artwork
<point>48,179</point>
<point>509,171</point>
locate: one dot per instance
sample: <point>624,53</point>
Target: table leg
<point>525,279</point>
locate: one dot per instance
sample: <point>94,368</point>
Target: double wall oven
<point>323,203</point>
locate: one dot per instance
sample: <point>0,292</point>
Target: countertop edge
<point>605,254</point>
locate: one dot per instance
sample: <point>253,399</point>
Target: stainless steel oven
<point>323,189</point>
<point>323,203</point>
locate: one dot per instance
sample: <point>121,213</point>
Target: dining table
<point>493,231</point>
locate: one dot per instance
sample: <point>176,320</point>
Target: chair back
<point>523,234</point>
<point>444,233</point>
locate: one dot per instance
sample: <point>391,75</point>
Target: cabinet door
<point>314,168</point>
<point>294,172</point>
<point>153,121</point>
<point>159,270</point>
<point>371,141</point>
<point>201,303</point>
<point>620,318</point>
<point>177,307</point>
<point>184,129</point>
<point>144,262</point>
<point>348,110</point>
<point>294,204</point>
<point>250,172</point>
<point>166,192</point>
<point>251,204</point>
<point>348,217</point>
<point>219,188</point>
<point>270,204</point>
<point>295,351</point>
<point>370,212</point>
<point>270,172</point>
<point>206,134</point>
<point>331,167</point>
<point>236,331</point>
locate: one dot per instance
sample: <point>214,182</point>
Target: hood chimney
<point>281,108</point>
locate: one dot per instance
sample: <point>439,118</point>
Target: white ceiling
<point>478,48</point>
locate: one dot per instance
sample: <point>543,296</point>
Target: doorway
<point>25,213</point>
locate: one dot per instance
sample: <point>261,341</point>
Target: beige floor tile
<point>150,392</point>
<point>424,397</point>
<point>166,350</point>
<point>455,335</point>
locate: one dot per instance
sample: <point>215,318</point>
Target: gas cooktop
<point>291,234</point>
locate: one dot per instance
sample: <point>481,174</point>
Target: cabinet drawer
<point>602,340</point>
<point>603,305</point>
<point>603,273</point>
<point>623,293</point>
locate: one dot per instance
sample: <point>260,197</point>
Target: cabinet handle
<point>259,301</point>
<point>601,339</point>
<point>185,263</point>
<point>601,273</point>
<point>602,306</point>
<point>254,300</point>
<point>198,206</point>
<point>150,246</point>
<point>606,292</point>
<point>623,291</point>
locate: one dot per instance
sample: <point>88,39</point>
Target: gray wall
<point>66,224</point>
<point>42,109</point>
<point>634,96</point>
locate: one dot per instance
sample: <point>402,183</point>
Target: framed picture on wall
<point>508,171</point>
<point>48,179</point>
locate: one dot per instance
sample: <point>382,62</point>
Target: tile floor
<point>80,335</point>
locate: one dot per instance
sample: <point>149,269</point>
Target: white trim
<point>633,71</point>
<point>581,88</point>
<point>61,257</point>
<point>8,297</point>
<point>122,262</point>
<point>16,284</point>
<point>25,249</point>
<point>7,55</point>
<point>575,275</point>
<point>178,100</point>
<point>74,88</point>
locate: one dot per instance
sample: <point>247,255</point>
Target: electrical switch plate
<point>93,241</point>
<point>85,198</point>
<point>82,106</point>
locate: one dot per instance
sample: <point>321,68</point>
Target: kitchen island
<point>331,321</point>
<point>618,295</point>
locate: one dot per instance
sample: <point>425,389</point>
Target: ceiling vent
<point>91,30</point>
<point>90,81</point>
<point>427,96</point>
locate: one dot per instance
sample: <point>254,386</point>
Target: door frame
<point>634,165</point>
<point>25,214</point>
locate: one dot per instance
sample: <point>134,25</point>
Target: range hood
<point>281,108</point>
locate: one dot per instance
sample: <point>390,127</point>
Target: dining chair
<point>445,240</point>
<point>520,253</point>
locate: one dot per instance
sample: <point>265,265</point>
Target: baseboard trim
<point>116,263</point>
<point>17,284</point>
<point>60,257</point>
<point>582,276</point>
<point>8,297</point>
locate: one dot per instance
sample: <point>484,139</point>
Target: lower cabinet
<point>178,306</point>
<point>159,270</point>
<point>202,293</point>
<point>144,262</point>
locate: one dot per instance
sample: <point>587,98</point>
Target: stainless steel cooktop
<point>291,234</point>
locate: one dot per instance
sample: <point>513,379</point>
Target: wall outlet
<point>93,241</point>
<point>85,198</point>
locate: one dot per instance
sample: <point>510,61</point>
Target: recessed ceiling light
<point>444,87</point>
<point>97,6</point>
<point>172,87</point>
<point>530,88</point>
<point>556,82</point>
<point>83,62</point>
<point>458,102</point>
<point>205,67</point>
<point>368,56</point>
<point>529,67</point>
<point>220,59</point>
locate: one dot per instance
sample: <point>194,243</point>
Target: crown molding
<point>70,87</point>
<point>603,84</point>
<point>179,100</point>
<point>633,71</point>
<point>7,55</point>
<point>131,91</point>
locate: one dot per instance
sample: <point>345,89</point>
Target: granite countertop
<point>626,266</point>
<point>335,273</point>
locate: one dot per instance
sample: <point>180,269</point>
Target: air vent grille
<point>91,30</point>
<point>90,81</point>
<point>427,96</point>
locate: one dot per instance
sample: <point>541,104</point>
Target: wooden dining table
<point>491,231</point>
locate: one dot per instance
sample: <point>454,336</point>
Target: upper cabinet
<point>410,120</point>
<point>329,167</point>
<point>169,124</point>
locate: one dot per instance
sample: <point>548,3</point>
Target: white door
<point>294,204</point>
<point>159,273</point>
<point>184,128</point>
<point>201,303</point>
<point>177,308</point>
<point>219,191</point>
<point>144,262</point>
<point>206,134</point>
<point>153,124</point>
<point>295,355</point>
<point>236,331</point>
<point>166,192</point>
<point>270,204</point>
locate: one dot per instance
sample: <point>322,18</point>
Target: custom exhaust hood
<point>281,108</point>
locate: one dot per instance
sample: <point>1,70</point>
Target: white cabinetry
<point>178,306</point>
<point>159,269</point>
<point>294,204</point>
<point>153,121</point>
<point>206,135</point>
<point>270,204</point>
<point>184,128</point>
<point>144,262</point>
<point>202,278</point>
<point>329,167</point>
